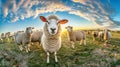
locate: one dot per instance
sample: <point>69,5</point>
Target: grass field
<point>94,54</point>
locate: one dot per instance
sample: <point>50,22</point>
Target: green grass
<point>94,54</point>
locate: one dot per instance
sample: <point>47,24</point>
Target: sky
<point>16,15</point>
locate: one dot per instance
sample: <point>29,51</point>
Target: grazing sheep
<point>24,38</point>
<point>76,36</point>
<point>51,38</point>
<point>36,36</point>
<point>107,36</point>
<point>95,35</point>
<point>101,35</point>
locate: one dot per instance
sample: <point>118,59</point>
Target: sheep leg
<point>20,47</point>
<point>72,44</point>
<point>26,47</point>
<point>48,61</point>
<point>84,42</point>
<point>93,38</point>
<point>56,60</point>
<point>81,41</point>
<point>106,43</point>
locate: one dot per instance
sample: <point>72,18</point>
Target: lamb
<point>76,36</point>
<point>51,38</point>
<point>24,38</point>
<point>95,35</point>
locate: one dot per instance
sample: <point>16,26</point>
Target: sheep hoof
<point>48,62</point>
<point>73,46</point>
<point>27,51</point>
<point>56,62</point>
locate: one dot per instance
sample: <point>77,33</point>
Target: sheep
<point>14,34</point>
<point>2,37</point>
<point>105,36</point>
<point>76,36</point>
<point>1,40</point>
<point>7,35</point>
<point>24,38</point>
<point>95,35</point>
<point>51,38</point>
<point>101,35</point>
<point>36,36</point>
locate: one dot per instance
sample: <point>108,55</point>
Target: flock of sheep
<point>50,36</point>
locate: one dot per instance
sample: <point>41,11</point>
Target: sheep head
<point>53,23</point>
<point>69,28</point>
<point>29,30</point>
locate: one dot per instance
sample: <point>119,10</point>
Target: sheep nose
<point>53,29</point>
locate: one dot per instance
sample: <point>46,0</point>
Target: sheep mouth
<point>53,33</point>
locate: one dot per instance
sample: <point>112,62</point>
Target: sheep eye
<point>57,23</point>
<point>48,22</point>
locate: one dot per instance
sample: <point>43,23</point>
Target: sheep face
<point>53,24</point>
<point>2,35</point>
<point>69,28</point>
<point>106,30</point>
<point>29,30</point>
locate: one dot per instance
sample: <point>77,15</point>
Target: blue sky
<point>18,14</point>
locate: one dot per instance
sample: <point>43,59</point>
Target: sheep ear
<point>32,27</point>
<point>63,21</point>
<point>43,18</point>
<point>26,28</point>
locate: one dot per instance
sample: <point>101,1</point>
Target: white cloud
<point>23,9</point>
<point>53,7</point>
<point>81,1</point>
<point>16,6</point>
<point>5,10</point>
<point>14,19</point>
<point>95,11</point>
<point>91,10</point>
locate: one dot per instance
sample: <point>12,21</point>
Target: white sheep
<point>101,35</point>
<point>7,36</point>
<point>76,36</point>
<point>51,38</point>
<point>95,35</point>
<point>36,36</point>
<point>24,38</point>
<point>2,37</point>
<point>105,36</point>
<point>14,34</point>
<point>1,40</point>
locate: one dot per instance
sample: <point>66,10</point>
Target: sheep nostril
<point>53,29</point>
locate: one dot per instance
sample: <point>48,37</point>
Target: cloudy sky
<point>19,14</point>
